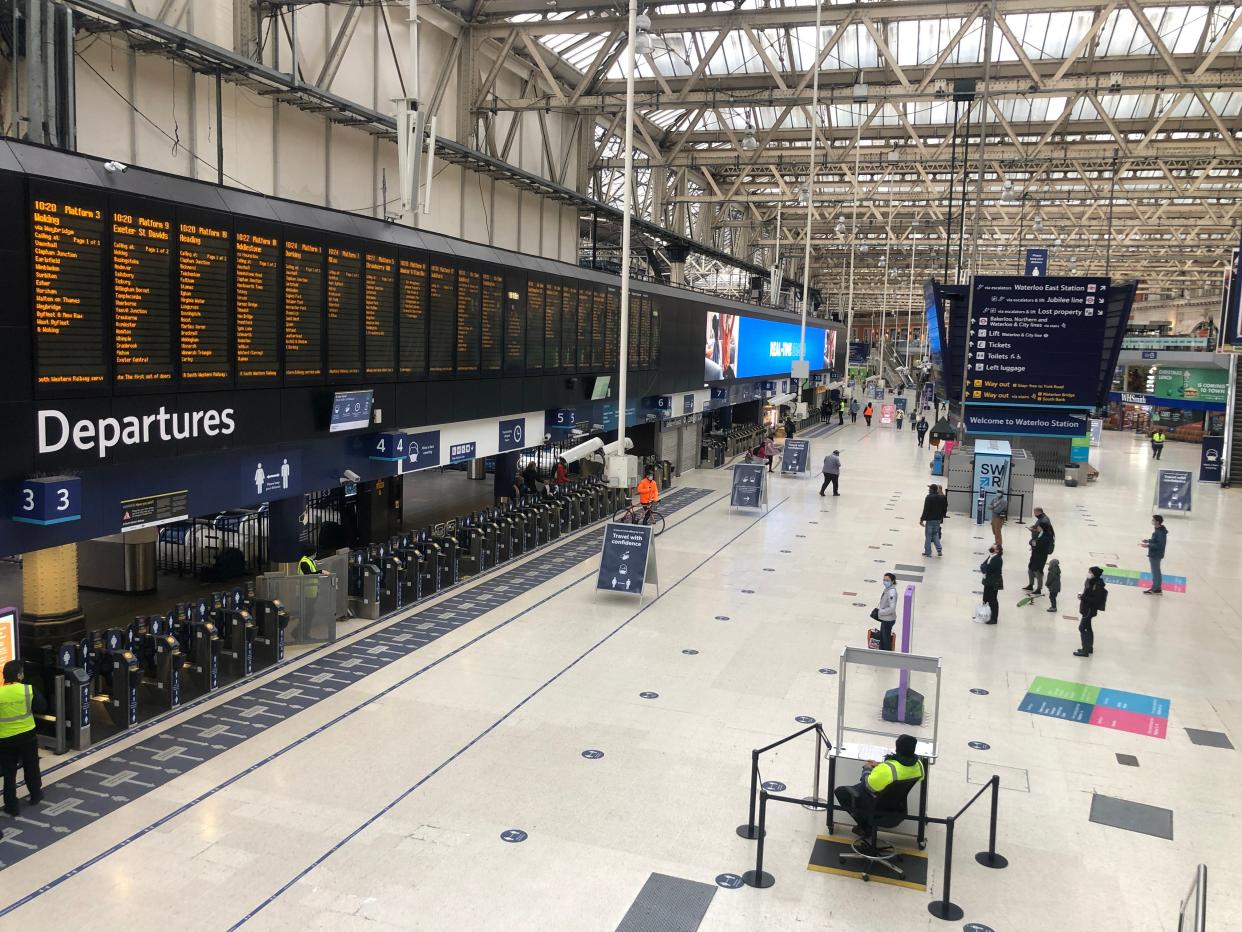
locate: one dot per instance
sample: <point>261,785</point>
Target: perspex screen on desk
<point>867,676</point>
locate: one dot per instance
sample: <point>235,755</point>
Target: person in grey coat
<point>832,472</point>
<point>887,610</point>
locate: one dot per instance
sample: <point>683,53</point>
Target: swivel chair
<point>887,810</point>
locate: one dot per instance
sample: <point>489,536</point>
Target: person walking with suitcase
<point>1091,601</point>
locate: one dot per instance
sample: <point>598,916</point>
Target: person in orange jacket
<point>867,412</point>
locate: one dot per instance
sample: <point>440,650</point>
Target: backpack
<point>1101,598</point>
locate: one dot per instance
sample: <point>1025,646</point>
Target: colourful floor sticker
<point>1116,576</point>
<point>1093,705</point>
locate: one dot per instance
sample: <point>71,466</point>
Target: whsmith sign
<point>56,431</point>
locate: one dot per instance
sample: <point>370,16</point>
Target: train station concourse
<point>645,465</point>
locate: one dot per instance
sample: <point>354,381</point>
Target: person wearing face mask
<point>886,611</point>
<point>1091,601</point>
<point>993,583</point>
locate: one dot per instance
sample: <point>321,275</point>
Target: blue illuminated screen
<point>740,347</point>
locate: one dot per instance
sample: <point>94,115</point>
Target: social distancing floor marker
<point>1094,705</point>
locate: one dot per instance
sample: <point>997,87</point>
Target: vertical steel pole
<point>989,27</point>
<point>849,319</point>
<point>219,132</point>
<point>627,207</point>
<point>810,174</point>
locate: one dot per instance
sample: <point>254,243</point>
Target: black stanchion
<point>944,908</point>
<point>749,830</point>
<point>757,877</point>
<point>990,858</point>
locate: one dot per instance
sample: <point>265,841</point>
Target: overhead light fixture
<point>749,142</point>
<point>861,92</point>
<point>1038,225</point>
<point>840,227</point>
<point>643,43</point>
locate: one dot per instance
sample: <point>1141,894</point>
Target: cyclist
<point>648,494</point>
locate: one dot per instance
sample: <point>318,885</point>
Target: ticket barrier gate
<point>515,521</point>
<point>420,571</point>
<point>498,536</point>
<point>237,632</point>
<point>448,564</point>
<point>66,688</point>
<point>160,660</point>
<point>476,556</point>
<point>116,675</point>
<point>200,642</point>
<point>271,618</point>
<point>392,588</point>
<point>365,585</point>
<point>529,517</point>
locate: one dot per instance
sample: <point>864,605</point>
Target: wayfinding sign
<point>627,559</point>
<point>748,486</point>
<point>1174,490</point>
<point>1035,341</point>
<point>797,453</point>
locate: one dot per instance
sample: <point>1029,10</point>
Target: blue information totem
<point>992,460</point>
<point>49,500</point>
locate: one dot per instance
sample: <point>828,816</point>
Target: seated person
<point>859,800</point>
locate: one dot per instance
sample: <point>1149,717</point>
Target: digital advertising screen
<point>738,347</point>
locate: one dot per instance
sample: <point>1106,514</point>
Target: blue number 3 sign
<point>49,500</point>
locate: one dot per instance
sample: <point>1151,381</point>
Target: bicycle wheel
<point>624,516</point>
<point>657,524</point>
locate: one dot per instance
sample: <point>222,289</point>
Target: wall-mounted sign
<point>1037,262</point>
<point>151,510</point>
<point>513,434</point>
<point>8,634</point>
<point>271,476</point>
<point>461,453</point>
<point>422,450</point>
<point>49,500</point>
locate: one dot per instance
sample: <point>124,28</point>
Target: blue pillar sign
<point>389,447</point>
<point>749,486</point>
<point>49,500</point>
<point>1211,456</point>
<point>1037,263</point>
<point>687,403</point>
<point>627,559</point>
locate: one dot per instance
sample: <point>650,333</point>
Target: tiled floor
<point>461,798</point>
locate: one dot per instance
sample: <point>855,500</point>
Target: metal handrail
<point>1197,894</point>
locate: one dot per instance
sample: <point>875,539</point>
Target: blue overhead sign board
<point>561,419</point>
<point>1032,422</point>
<point>461,453</point>
<point>1035,341</point>
<point>49,500</point>
<point>1037,263</point>
<point>1190,404</point>
<point>422,450</point>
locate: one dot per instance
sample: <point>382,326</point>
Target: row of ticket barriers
<point>108,681</point>
<point>112,679</point>
<point>386,577</point>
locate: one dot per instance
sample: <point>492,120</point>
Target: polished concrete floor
<point>397,816</point>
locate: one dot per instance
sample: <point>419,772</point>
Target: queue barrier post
<point>758,877</point>
<point>944,908</point>
<point>990,858</point>
<point>750,830</point>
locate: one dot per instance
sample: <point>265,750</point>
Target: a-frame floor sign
<point>796,459</point>
<point>627,560</point>
<point>750,486</point>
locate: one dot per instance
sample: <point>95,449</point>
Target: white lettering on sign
<point>56,431</point>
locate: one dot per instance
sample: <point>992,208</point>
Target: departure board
<point>644,336</point>
<point>67,250</point>
<point>653,358</point>
<point>443,313</point>
<point>515,324</point>
<point>599,307</point>
<point>256,293</point>
<point>584,328</point>
<point>413,330</point>
<point>569,328</point>
<point>379,295</point>
<point>141,292</point>
<point>633,361</point>
<point>469,291</point>
<point>612,329</point>
<point>552,327</point>
<point>535,299</point>
<point>203,302</point>
<point>492,333</point>
<point>344,312</point>
<point>303,311</point>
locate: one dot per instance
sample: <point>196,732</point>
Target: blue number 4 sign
<point>387,447</point>
<point>51,500</point>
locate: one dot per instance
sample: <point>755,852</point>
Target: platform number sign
<point>50,500</point>
<point>387,446</point>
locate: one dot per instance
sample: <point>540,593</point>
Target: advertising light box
<point>739,347</point>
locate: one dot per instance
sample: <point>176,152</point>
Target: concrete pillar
<point>51,610</point>
<point>285,533</point>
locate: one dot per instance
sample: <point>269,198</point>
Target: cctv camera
<point>350,476</point>
<point>115,166</point>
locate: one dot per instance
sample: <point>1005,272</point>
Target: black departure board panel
<point>303,311</point>
<point>584,328</point>
<point>469,293</point>
<point>633,325</point>
<point>141,290</point>
<point>379,315</point>
<point>412,361</point>
<point>612,328</point>
<point>67,253</point>
<point>344,313</point>
<point>443,313</point>
<point>535,300</point>
<point>644,335</point>
<point>203,302</point>
<point>552,327</point>
<point>569,328</point>
<point>653,361</point>
<point>599,309</point>
<point>256,296</point>
<point>515,326</point>
<point>492,334</point>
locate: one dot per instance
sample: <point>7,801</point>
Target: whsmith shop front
<point>1187,401</point>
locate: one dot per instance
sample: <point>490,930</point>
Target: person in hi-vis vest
<point>19,704</point>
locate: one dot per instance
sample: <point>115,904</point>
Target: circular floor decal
<point>689,651</point>
<point>513,835</point>
<point>980,745</point>
<point>804,720</point>
<point>728,881</point>
<point>827,671</point>
<point>649,695</point>
<point>979,692</point>
<point>592,754</point>
<point>773,786</point>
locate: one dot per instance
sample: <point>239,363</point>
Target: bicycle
<point>636,513</point>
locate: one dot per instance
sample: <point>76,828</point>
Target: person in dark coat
<point>922,427</point>
<point>1053,583</point>
<point>1155,553</point>
<point>1090,602</point>
<point>993,583</point>
<point>1040,542</point>
<point>935,510</point>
